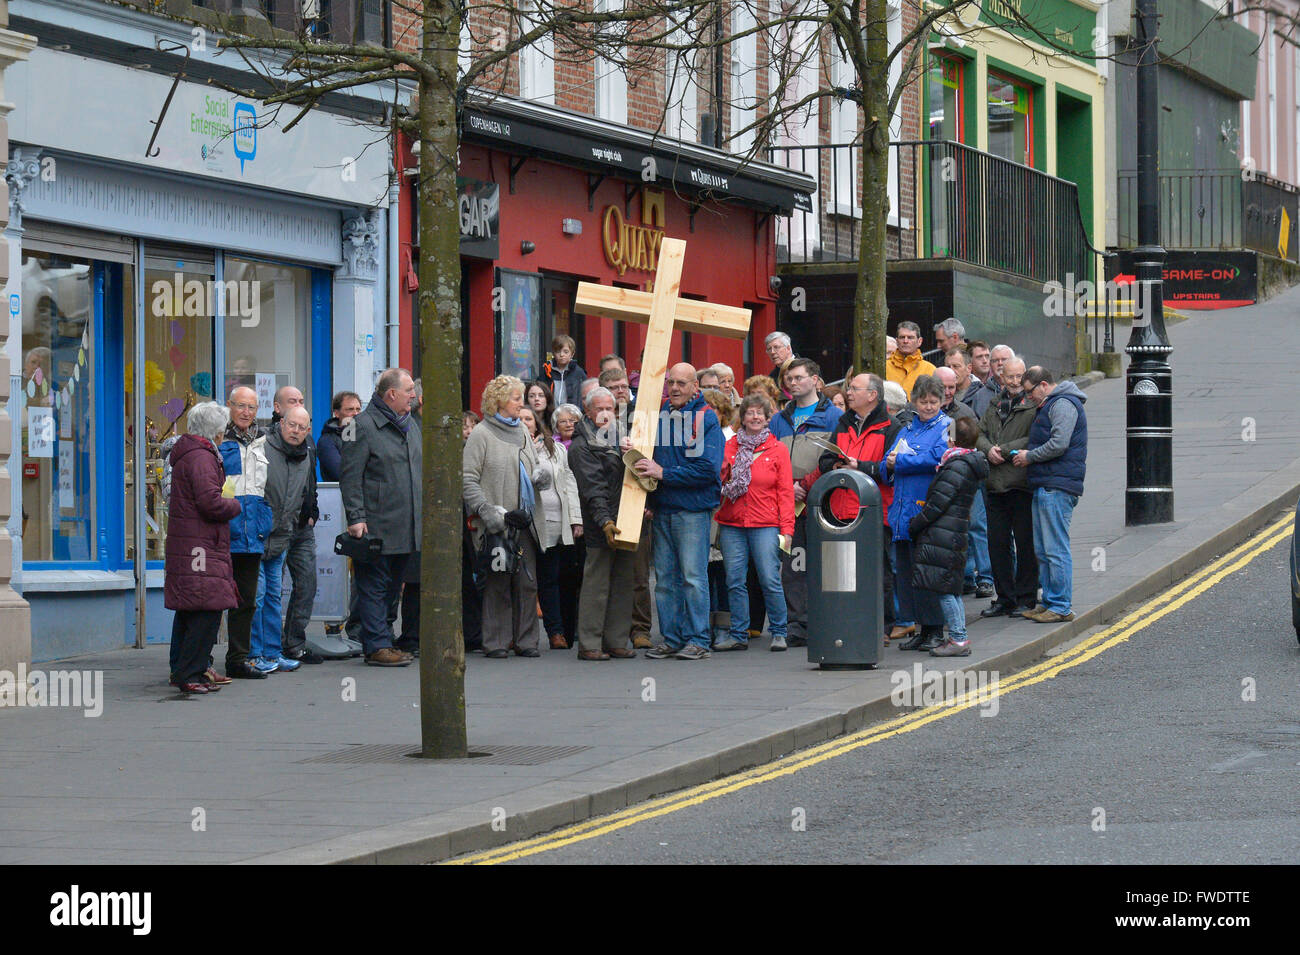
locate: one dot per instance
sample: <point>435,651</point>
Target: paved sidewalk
<point>285,770</point>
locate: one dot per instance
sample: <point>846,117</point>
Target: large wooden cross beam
<point>665,313</point>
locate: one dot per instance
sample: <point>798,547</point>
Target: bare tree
<point>297,70</point>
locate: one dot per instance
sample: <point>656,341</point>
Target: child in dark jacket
<point>939,533</point>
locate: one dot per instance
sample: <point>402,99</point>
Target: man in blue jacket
<point>1057,458</point>
<point>688,465</point>
<point>807,413</point>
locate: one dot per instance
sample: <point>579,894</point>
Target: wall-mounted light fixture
<point>527,248</point>
<point>571,226</point>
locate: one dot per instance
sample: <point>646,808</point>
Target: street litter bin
<point>845,617</point>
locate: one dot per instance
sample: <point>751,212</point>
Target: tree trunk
<point>871,311</point>
<point>442,645</point>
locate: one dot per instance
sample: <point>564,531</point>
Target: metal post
<point>1149,496</point>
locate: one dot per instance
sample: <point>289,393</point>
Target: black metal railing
<point>948,201</point>
<point>1215,209</point>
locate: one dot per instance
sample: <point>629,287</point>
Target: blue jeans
<point>954,615</point>
<point>266,618</point>
<point>979,569</point>
<point>1052,512</point>
<point>738,545</point>
<point>681,556</point>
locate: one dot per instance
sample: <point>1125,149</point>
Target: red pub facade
<point>550,198</point>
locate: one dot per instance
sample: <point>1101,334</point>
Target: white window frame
<point>802,231</point>
<point>894,34</point>
<point>610,80</point>
<point>536,61</point>
<point>844,129</point>
<point>681,89</point>
<point>744,77</point>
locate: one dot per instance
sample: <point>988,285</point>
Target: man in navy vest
<point>1057,457</point>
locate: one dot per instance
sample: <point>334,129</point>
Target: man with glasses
<point>1056,459</point>
<point>291,495</point>
<point>1004,429</point>
<point>907,364</point>
<point>863,433</point>
<point>687,463</point>
<point>243,454</point>
<point>807,413</point>
<point>300,557</point>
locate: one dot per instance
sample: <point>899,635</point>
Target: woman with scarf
<point>756,520</point>
<point>502,477</point>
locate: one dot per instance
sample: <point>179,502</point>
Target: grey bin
<point>845,617</point>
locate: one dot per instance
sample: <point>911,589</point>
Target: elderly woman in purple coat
<point>200,583</point>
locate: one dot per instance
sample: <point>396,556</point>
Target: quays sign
<point>636,247</point>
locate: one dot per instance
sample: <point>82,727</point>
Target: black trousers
<point>239,622</point>
<point>795,582</point>
<point>1015,571</point>
<point>471,597</point>
<point>194,634</point>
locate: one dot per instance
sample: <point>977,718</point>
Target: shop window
<point>945,83</point>
<point>1011,125</point>
<point>179,307</point>
<point>58,417</point>
<point>945,87</point>
<point>268,330</point>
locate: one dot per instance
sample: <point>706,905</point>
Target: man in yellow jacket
<point>906,364</point>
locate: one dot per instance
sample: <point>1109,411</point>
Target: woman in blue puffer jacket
<point>911,462</point>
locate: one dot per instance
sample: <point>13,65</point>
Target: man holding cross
<point>687,463</point>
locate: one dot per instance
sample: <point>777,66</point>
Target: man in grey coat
<point>381,483</point>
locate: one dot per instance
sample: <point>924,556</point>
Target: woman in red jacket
<point>756,520</point>
<point>198,582</point>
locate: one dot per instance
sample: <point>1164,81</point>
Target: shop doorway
<point>558,294</point>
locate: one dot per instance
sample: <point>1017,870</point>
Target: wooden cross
<point>665,313</point>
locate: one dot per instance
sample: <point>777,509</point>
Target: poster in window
<point>519,323</point>
<point>40,432</point>
<point>67,475</point>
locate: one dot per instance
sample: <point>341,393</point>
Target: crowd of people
<point>979,459</point>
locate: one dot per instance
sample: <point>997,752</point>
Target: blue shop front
<point>147,280</point>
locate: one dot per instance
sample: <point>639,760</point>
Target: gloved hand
<point>611,532</point>
<point>542,479</point>
<point>228,488</point>
<point>493,517</point>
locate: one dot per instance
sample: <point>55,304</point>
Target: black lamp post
<point>1149,496</point>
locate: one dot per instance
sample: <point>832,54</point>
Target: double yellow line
<point>1141,618</point>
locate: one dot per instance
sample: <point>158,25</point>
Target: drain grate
<point>505,755</point>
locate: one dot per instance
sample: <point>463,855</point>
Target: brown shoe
<point>1051,616</point>
<point>216,679</point>
<point>389,657</point>
<point>592,655</point>
<point>642,642</point>
<point>622,653</point>
<point>898,633</point>
<point>558,642</point>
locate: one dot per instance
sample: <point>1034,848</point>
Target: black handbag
<point>499,553</point>
<point>361,549</point>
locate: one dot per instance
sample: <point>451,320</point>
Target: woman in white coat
<point>563,536</point>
